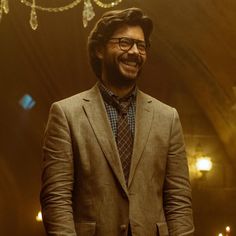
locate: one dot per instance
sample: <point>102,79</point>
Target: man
<point>114,157</point>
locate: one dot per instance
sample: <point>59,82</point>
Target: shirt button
<point>123,227</point>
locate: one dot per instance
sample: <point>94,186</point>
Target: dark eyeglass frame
<point>126,44</point>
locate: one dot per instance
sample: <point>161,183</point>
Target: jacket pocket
<point>162,229</point>
<point>85,228</point>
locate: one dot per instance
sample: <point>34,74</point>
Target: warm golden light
<point>39,217</point>
<point>204,164</point>
<point>227,229</point>
<point>220,234</point>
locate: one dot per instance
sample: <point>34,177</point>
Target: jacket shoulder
<point>157,103</point>
<point>75,101</point>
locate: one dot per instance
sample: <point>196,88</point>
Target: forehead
<point>129,31</point>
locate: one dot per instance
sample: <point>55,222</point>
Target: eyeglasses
<point>126,44</point>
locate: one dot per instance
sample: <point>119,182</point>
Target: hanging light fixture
<point>4,8</point>
<point>87,15</point>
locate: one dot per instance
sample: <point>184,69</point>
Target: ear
<point>100,52</point>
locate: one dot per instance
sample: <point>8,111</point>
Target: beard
<point>117,75</point>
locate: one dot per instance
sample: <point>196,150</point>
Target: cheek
<point>144,58</point>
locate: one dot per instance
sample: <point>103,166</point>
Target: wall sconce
<point>227,230</point>
<point>39,217</point>
<point>203,165</point>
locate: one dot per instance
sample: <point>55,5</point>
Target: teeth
<point>130,63</point>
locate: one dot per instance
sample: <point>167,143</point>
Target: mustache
<point>132,58</point>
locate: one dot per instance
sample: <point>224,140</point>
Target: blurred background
<point>191,66</point>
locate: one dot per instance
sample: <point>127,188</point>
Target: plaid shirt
<point>113,113</point>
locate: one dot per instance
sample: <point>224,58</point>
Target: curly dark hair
<point>108,24</point>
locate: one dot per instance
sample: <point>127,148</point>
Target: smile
<point>130,63</point>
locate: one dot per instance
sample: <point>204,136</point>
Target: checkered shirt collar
<point>109,94</point>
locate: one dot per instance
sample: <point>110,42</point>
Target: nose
<point>134,49</point>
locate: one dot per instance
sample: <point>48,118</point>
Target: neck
<point>119,91</point>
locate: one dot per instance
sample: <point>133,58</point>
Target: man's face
<point>121,64</point>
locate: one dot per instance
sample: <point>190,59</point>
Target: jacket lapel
<point>96,113</point>
<point>143,122</point>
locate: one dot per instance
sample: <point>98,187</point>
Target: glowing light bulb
<point>39,217</point>
<point>220,234</point>
<point>227,229</point>
<point>204,164</point>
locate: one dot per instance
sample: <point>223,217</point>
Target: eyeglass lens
<point>127,43</point>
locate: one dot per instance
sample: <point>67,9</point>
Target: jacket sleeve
<point>57,175</point>
<point>177,189</point>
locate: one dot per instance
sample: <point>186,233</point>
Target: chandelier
<point>88,12</point>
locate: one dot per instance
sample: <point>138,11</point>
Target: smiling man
<point>114,157</point>
<point>123,58</point>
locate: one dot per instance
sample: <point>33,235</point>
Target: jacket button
<point>123,227</point>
